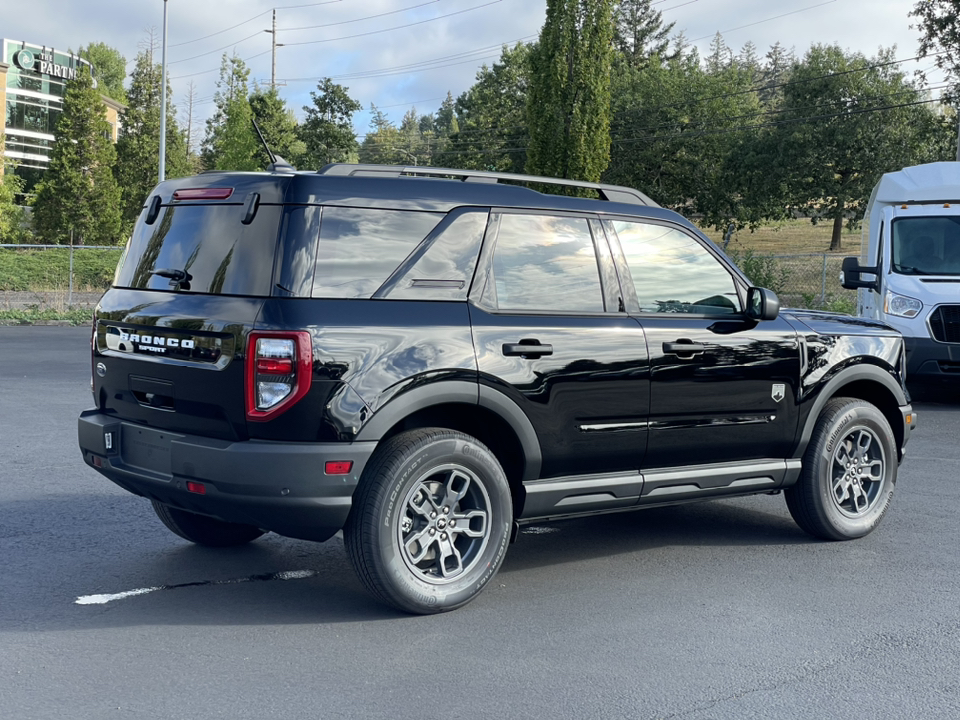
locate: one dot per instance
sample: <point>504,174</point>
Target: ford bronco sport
<point>428,359</point>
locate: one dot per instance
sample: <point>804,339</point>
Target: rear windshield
<point>219,254</point>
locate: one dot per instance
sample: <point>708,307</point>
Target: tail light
<point>279,372</point>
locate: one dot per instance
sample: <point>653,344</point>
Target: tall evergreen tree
<point>231,142</point>
<point>569,101</point>
<point>639,31</point>
<point>138,145</point>
<point>78,191</point>
<point>327,128</point>
<point>384,143</point>
<point>278,125</point>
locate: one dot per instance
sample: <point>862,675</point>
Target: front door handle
<point>683,348</point>
<point>527,349</point>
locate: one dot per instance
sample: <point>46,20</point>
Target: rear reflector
<point>203,193</point>
<point>338,467</point>
<point>195,487</point>
<point>270,366</point>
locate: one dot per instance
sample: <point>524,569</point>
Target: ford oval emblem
<point>101,369</point>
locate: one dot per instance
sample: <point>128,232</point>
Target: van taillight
<point>279,372</point>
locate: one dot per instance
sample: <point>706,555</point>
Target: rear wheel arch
<point>487,415</point>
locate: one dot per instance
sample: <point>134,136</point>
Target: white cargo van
<point>909,272</point>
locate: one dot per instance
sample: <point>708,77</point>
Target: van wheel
<point>431,520</point>
<point>849,472</point>
<point>204,530</point>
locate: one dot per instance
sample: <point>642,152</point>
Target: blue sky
<point>403,53</point>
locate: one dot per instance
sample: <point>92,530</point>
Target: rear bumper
<point>276,486</point>
<point>928,359</point>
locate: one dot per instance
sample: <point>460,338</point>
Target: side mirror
<point>850,275</point>
<point>762,304</point>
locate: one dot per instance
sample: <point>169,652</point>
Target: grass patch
<point>33,314</point>
<point>33,269</point>
<point>790,237</point>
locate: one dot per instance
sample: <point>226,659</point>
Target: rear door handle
<point>527,349</point>
<point>683,347</point>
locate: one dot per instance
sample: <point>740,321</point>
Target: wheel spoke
<point>841,489</point>
<point>450,560</point>
<point>417,546</point>
<point>466,522</point>
<point>872,470</point>
<point>864,441</point>
<point>422,502</point>
<point>456,488</point>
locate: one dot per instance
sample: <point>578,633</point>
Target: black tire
<point>403,537</point>
<point>849,472</point>
<point>204,530</point>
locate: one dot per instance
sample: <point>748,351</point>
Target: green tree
<point>939,24</point>
<point>11,214</point>
<point>491,131</point>
<point>78,191</point>
<point>639,31</point>
<point>110,69</point>
<point>844,122</point>
<point>327,128</point>
<point>568,106</point>
<point>676,123</point>
<point>278,125</point>
<point>138,144</point>
<point>231,142</point>
<point>384,143</point>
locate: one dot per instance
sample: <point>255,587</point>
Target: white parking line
<point>110,597</point>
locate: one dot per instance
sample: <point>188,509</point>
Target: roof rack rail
<point>610,193</point>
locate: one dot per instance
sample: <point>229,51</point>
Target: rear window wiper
<point>179,279</point>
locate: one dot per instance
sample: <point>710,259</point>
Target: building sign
<point>26,60</point>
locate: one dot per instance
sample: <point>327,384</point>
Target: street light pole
<point>163,101</point>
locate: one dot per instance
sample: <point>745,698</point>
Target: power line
<point>369,17</point>
<point>759,22</point>
<point>398,27</point>
<point>392,69</point>
<point>234,27</point>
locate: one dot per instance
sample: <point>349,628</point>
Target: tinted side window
<point>673,272</point>
<point>546,263</point>
<point>359,248</point>
<point>442,267</point>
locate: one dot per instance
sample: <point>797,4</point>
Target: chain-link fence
<point>805,281</point>
<point>55,276</point>
<point>62,276</point>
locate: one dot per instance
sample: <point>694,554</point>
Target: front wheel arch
<point>869,383</point>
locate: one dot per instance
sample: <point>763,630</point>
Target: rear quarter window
<point>361,247</point>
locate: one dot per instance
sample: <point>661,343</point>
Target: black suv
<point>429,359</point>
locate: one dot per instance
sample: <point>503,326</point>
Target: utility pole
<point>162,174</point>
<point>273,53</point>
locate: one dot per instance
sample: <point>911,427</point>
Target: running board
<point>576,494</point>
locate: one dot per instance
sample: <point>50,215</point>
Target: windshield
<point>926,246</point>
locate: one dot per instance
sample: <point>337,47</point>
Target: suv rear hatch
<point>169,336</point>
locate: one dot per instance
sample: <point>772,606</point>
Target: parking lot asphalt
<point>716,610</point>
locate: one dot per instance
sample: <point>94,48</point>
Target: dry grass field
<point>791,237</point>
